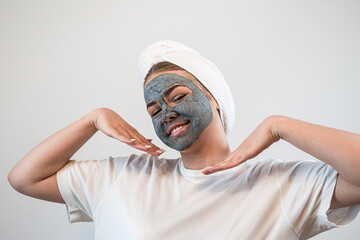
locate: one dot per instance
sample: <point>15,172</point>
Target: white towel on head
<point>203,69</point>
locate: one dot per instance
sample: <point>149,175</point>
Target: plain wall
<point>61,59</point>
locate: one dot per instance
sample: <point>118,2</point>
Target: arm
<point>338,148</point>
<point>36,171</point>
<point>35,174</point>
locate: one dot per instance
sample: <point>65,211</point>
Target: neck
<point>210,148</point>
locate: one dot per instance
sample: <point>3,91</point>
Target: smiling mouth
<point>177,128</point>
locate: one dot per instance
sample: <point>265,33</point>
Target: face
<point>180,111</point>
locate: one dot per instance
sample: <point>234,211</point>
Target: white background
<point>61,59</point>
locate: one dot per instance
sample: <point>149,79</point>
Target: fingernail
<point>133,139</point>
<point>223,164</point>
<point>206,168</point>
<point>160,150</point>
<point>147,146</point>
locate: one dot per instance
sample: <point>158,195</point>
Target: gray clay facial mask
<point>193,112</point>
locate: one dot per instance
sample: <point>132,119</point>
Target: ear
<point>214,103</point>
<point>218,108</point>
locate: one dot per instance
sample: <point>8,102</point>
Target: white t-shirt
<point>147,198</point>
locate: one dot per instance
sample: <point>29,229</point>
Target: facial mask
<point>194,109</point>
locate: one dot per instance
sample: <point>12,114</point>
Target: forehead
<point>159,84</point>
<point>182,73</point>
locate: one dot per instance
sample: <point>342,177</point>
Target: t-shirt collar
<point>197,174</point>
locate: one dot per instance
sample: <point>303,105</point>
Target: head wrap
<point>203,69</point>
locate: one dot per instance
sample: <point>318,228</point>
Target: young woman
<point>208,192</point>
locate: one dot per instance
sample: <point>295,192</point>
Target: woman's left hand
<point>261,138</point>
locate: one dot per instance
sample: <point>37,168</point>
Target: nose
<point>169,118</point>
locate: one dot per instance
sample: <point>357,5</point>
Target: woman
<point>209,192</point>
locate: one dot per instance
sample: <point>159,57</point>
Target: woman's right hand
<point>111,124</point>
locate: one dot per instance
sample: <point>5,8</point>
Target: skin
<point>211,147</point>
<point>173,100</point>
<point>338,148</point>
<point>35,174</point>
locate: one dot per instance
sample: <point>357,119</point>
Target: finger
<point>141,141</point>
<point>136,140</point>
<point>229,162</point>
<point>146,147</point>
<point>154,150</point>
<point>145,144</point>
<point>151,150</point>
<point>124,139</point>
<point>148,144</point>
<point>218,167</point>
<point>135,137</point>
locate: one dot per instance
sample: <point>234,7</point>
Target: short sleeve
<point>84,184</point>
<point>307,188</point>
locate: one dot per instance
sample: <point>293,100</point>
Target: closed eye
<point>156,112</point>
<point>176,93</point>
<point>178,98</point>
<point>153,108</point>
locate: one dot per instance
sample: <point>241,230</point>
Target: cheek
<point>158,124</point>
<point>186,108</point>
<point>157,121</point>
<point>191,109</point>
<point>195,108</point>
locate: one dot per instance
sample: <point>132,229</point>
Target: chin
<point>185,141</point>
<point>181,146</point>
<point>194,146</point>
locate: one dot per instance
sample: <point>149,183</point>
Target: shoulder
<point>280,164</point>
<point>288,167</point>
<point>133,163</point>
<point>263,167</point>
<point>304,168</point>
<point>149,163</point>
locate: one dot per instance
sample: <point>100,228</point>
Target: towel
<point>193,62</point>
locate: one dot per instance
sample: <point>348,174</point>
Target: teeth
<point>176,129</point>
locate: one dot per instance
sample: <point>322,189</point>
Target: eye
<point>156,112</point>
<point>153,108</point>
<point>179,97</point>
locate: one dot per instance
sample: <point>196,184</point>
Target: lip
<point>175,125</point>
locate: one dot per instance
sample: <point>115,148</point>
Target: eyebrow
<point>153,102</point>
<point>167,92</point>
<point>170,89</point>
